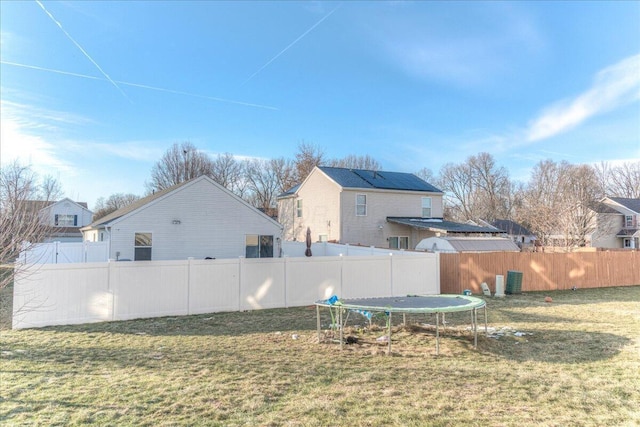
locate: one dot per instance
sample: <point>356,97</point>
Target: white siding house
<point>197,218</point>
<point>65,218</point>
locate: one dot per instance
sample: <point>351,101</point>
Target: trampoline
<point>414,304</point>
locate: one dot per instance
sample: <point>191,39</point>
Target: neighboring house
<point>198,218</point>
<point>64,217</point>
<point>365,207</point>
<point>516,232</point>
<point>467,244</point>
<point>617,223</point>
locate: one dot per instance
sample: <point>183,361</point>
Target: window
<point>361,205</point>
<point>323,238</point>
<point>142,247</point>
<point>258,246</point>
<point>627,243</point>
<point>299,208</point>
<point>426,207</point>
<point>399,242</point>
<point>62,220</point>
<point>628,221</point>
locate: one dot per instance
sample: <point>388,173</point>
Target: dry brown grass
<point>577,364</point>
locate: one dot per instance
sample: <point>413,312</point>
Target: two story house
<point>364,207</point>
<point>617,223</point>
<point>63,218</point>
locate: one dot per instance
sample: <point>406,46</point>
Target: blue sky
<point>94,93</point>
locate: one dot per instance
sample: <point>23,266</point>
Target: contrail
<point>81,49</point>
<point>178,92</point>
<point>291,44</point>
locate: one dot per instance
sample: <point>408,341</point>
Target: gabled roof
<point>152,198</point>
<point>133,206</point>
<point>290,192</point>
<point>41,204</point>
<point>438,224</point>
<point>510,227</point>
<point>383,180</point>
<point>603,208</point>
<point>631,204</point>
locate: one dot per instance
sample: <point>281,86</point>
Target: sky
<point>93,93</point>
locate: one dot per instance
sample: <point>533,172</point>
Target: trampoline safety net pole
<point>389,332</point>
<point>437,333</point>
<point>340,326</point>
<point>318,320</point>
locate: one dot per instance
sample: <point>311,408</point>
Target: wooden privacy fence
<point>541,271</point>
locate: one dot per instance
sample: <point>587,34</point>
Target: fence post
<point>189,267</point>
<point>240,267</point>
<point>285,263</point>
<point>111,288</point>
<point>437,268</point>
<point>391,273</point>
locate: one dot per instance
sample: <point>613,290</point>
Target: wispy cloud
<point>84,52</point>
<point>428,50</point>
<point>141,86</point>
<point>291,44</point>
<point>613,87</point>
<point>142,151</point>
<point>18,144</point>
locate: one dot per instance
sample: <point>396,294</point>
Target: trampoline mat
<point>419,304</point>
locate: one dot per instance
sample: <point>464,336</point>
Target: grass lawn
<point>575,361</point>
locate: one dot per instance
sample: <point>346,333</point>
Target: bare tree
<point>625,181</point>
<point>457,183</point>
<point>477,189</point>
<point>426,174</point>
<point>285,171</point>
<point>229,172</point>
<point>307,157</point>
<point>262,183</point>
<point>557,203</point>
<point>179,163</point>
<point>619,181</point>
<point>352,161</point>
<point>492,186</point>
<point>112,203</point>
<point>22,196</point>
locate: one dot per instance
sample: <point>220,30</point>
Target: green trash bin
<point>514,282</point>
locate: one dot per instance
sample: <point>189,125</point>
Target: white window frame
<point>399,240</point>
<point>150,247</point>
<point>628,221</point>
<point>323,238</point>
<point>299,208</point>
<point>626,242</point>
<point>430,207</point>
<point>66,220</point>
<point>361,205</point>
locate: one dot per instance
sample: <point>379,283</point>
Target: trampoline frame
<point>365,304</point>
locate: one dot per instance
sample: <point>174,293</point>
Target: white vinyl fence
<point>65,253</point>
<point>297,249</point>
<point>92,292</point>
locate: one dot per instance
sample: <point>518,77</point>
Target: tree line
<point>258,181</point>
<point>558,199</point>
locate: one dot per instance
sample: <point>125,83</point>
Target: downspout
<point>108,230</point>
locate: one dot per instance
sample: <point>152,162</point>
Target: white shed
<point>198,218</point>
<point>467,244</point>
